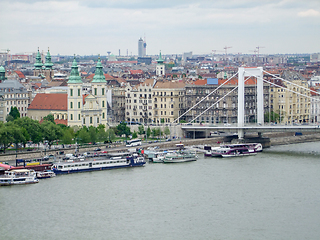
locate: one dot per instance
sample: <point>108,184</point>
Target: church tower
<point>99,91</point>
<point>48,67</point>
<point>75,101</point>
<point>38,65</point>
<point>160,68</point>
<point>2,74</point>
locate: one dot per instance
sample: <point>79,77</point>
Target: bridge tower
<point>248,72</point>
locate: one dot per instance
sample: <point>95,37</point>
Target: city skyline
<point>85,28</point>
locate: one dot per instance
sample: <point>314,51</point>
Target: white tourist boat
<point>18,176</point>
<point>180,156</point>
<point>46,174</point>
<point>233,152</point>
<point>100,163</point>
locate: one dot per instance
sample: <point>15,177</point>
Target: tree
<point>141,129</point>
<point>273,117</point>
<point>123,129</point>
<point>83,135</point>
<point>50,118</point>
<point>51,132</point>
<point>166,131</point>
<point>68,135</point>
<point>134,134</point>
<point>110,135</point>
<point>101,133</point>
<point>9,118</point>
<point>14,112</point>
<point>93,134</point>
<point>32,127</point>
<point>148,132</point>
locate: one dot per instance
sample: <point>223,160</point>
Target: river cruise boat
<point>45,174</point>
<point>256,146</point>
<point>234,152</point>
<point>18,176</point>
<point>180,156</point>
<point>104,163</point>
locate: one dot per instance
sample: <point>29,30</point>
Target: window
<point>71,92</point>
<point>90,120</point>
<point>78,104</point>
<point>103,115</point>
<point>102,91</point>
<point>71,104</point>
<point>78,117</point>
<point>78,92</point>
<point>71,117</point>
<point>95,91</point>
<point>102,103</point>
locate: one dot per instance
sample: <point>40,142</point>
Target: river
<point>273,195</point>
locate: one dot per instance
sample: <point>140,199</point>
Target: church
<point>75,108</point>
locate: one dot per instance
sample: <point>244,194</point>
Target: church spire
<point>48,63</point>
<point>99,76</point>
<point>74,75</point>
<point>38,64</point>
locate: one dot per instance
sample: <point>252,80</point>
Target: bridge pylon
<point>249,72</point>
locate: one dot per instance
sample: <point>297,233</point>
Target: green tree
<point>51,132</point>
<point>68,136</point>
<point>9,118</point>
<point>111,136</point>
<point>273,117</point>
<point>93,134</point>
<point>166,131</point>
<point>134,134</point>
<point>183,121</point>
<point>50,118</point>
<point>83,135</point>
<point>148,132</point>
<point>14,112</point>
<point>32,127</point>
<point>101,133</point>
<point>123,129</point>
<point>141,129</point>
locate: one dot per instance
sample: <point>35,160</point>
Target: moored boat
<point>45,174</point>
<point>18,176</point>
<point>237,152</point>
<point>104,163</point>
<point>180,156</point>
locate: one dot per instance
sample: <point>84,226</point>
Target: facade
<point>14,94</point>
<point>222,105</point>
<point>292,107</point>
<point>118,103</point>
<point>139,102</point>
<point>90,110</point>
<point>315,105</point>
<point>168,100</point>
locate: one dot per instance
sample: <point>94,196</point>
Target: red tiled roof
<point>139,71</point>
<point>58,121</point>
<point>200,82</point>
<point>83,98</point>
<point>234,81</point>
<point>49,101</point>
<point>20,74</point>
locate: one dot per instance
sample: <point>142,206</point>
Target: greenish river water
<point>273,195</point>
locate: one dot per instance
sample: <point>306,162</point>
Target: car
<point>97,149</point>
<point>168,140</point>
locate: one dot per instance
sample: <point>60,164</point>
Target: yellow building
<point>292,100</point>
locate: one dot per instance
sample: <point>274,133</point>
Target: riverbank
<point>269,139</point>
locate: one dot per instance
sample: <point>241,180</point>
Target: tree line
<point>20,131</point>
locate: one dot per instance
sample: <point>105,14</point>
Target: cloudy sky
<point>88,27</point>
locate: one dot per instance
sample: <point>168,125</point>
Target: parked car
<point>97,149</point>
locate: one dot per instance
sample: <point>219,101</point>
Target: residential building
<point>168,101</point>
<point>291,100</point>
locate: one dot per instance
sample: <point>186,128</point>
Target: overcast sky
<point>86,27</point>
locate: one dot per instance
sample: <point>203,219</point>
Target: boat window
<point>104,162</point>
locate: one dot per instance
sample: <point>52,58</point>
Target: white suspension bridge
<point>260,127</point>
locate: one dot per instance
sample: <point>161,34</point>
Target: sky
<point>90,27</point>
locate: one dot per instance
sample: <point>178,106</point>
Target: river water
<point>273,195</point>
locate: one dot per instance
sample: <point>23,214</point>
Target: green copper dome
<point>74,75</point>
<point>2,74</point>
<point>99,76</point>
<point>160,60</point>
<point>38,64</point>
<point>48,63</point>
